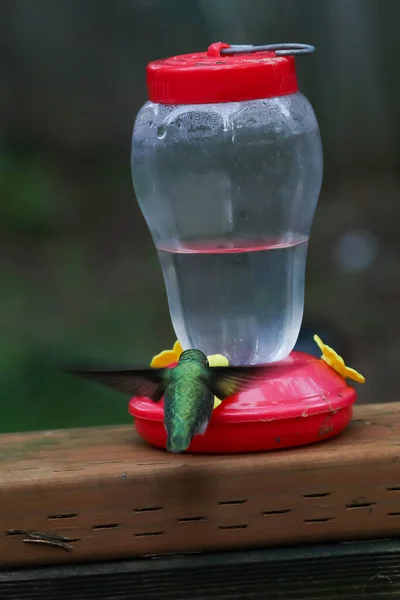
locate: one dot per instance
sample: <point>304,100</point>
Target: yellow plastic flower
<point>335,361</point>
<point>167,357</point>
<point>217,360</point>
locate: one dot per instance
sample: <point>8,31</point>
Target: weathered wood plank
<point>119,498</point>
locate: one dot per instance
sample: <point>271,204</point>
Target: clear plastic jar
<point>229,190</point>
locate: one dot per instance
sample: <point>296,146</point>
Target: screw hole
<point>59,517</point>
<point>321,495</point>
<point>148,534</point>
<point>324,520</point>
<point>144,509</point>
<point>356,505</point>
<point>232,502</point>
<point>269,513</point>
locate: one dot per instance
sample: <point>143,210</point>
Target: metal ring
<point>279,49</point>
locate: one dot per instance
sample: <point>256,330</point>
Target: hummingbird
<point>188,390</point>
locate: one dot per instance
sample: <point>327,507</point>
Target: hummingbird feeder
<point>227,168</point>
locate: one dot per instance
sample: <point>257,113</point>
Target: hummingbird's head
<point>196,355</point>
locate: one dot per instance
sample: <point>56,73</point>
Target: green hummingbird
<point>188,390</point>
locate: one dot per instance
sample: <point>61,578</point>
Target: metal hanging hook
<point>279,49</point>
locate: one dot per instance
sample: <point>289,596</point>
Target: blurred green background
<point>79,275</point>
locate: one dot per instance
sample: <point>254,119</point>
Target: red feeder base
<point>311,404</point>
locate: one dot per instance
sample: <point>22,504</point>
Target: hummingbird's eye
<point>202,358</point>
<point>205,361</point>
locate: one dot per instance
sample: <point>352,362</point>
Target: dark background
<point>79,274</point>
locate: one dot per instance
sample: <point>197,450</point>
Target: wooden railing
<point>115,498</point>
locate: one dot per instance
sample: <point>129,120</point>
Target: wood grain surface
<point>115,498</point>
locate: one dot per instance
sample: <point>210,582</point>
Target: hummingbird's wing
<point>149,383</point>
<point>224,382</point>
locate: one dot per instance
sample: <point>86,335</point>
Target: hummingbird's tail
<point>179,440</point>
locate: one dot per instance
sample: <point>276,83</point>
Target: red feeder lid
<point>311,403</point>
<point>310,388</point>
<point>207,77</point>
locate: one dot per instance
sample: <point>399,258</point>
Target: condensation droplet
<point>161,132</point>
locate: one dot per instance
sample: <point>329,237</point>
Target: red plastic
<point>206,77</point>
<point>312,404</point>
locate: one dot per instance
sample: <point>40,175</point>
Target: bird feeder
<point>227,168</point>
